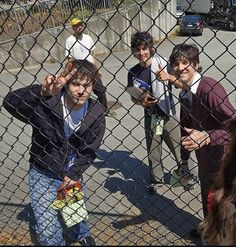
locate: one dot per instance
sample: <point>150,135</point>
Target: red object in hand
<point>68,190</point>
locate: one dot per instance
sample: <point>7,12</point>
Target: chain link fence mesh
<point>121,212</point>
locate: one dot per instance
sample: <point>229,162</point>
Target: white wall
<point>110,31</point>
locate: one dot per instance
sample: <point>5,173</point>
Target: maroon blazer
<point>210,111</point>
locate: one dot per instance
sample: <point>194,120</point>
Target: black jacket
<point>50,147</point>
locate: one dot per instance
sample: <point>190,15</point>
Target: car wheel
<point>208,21</point>
<point>231,26</point>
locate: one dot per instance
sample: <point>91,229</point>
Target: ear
<point>197,67</point>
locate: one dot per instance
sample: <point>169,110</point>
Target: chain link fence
<point>121,212</point>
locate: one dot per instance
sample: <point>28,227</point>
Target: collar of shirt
<point>193,89</point>
<point>195,83</point>
<point>194,86</point>
<point>72,118</point>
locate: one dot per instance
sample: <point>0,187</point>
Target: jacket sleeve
<point>100,91</point>
<point>22,102</point>
<point>223,111</point>
<point>87,154</point>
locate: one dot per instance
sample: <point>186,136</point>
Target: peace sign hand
<point>161,74</point>
<point>53,84</point>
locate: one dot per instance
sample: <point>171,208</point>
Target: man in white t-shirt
<point>80,45</point>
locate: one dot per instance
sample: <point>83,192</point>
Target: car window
<point>178,8</point>
<point>190,18</point>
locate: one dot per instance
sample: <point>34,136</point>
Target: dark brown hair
<point>189,52</point>
<point>142,38</point>
<point>84,69</point>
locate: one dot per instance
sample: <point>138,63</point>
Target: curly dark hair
<point>141,38</point>
<point>84,69</point>
<point>189,52</point>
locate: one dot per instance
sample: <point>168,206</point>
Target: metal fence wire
<point>121,211</point>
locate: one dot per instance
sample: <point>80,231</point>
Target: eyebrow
<point>77,81</point>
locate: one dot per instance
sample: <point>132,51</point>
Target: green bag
<point>74,213</point>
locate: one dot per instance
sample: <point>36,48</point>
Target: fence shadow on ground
<point>129,176</point>
<point>27,215</point>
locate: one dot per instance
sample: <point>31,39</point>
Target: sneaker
<point>111,113</point>
<point>183,171</point>
<point>192,177</point>
<point>153,188</point>
<point>187,181</point>
<point>194,233</point>
<point>87,241</point>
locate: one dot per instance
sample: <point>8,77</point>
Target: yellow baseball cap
<point>75,21</point>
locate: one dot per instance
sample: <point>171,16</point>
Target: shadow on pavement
<point>129,176</point>
<point>27,215</point>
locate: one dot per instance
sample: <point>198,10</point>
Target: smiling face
<point>184,61</point>
<point>143,54</point>
<point>185,71</point>
<point>78,92</point>
<point>142,47</point>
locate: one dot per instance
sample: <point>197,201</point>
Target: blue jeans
<point>43,191</point>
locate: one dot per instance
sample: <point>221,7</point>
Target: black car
<point>190,25</point>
